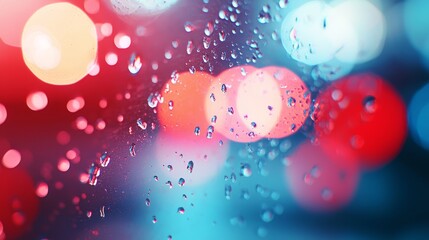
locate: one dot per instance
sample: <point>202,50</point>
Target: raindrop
<point>213,119</point>
<point>190,166</point>
<point>134,64</point>
<point>93,173</point>
<point>326,194</point>
<point>154,220</point>
<point>170,105</point>
<point>189,27</point>
<point>209,29</point>
<point>246,171</point>
<point>104,159</point>
<point>156,178</point>
<point>223,88</point>
<point>181,210</point>
<point>192,69</point>
<point>102,213</point>
<point>154,99</point>
<point>181,182</point>
<point>169,237</point>
<point>228,191</point>
<point>233,178</point>
<point>291,102</point>
<point>190,47</point>
<point>315,172</point>
<point>169,184</point>
<point>170,168</point>
<point>283,3</point>
<point>267,215</point>
<point>369,104</point>
<point>231,110</point>
<point>206,42</point>
<point>222,36</point>
<point>245,194</point>
<point>132,150</point>
<point>197,131</point>
<point>147,202</point>
<point>141,124</point>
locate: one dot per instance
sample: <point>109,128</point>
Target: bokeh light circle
<point>321,182</point>
<point>296,100</point>
<point>418,116</point>
<point>304,34</point>
<point>364,114</point>
<point>259,102</point>
<point>59,44</point>
<point>11,158</point>
<point>3,114</point>
<point>37,101</point>
<point>183,106</point>
<point>221,107</point>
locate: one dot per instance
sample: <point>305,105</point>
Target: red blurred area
<point>363,114</point>
<point>182,109</point>
<point>321,181</point>
<point>18,201</point>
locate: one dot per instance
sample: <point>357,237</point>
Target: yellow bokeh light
<point>59,44</point>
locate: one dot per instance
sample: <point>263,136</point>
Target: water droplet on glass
<point>184,196</point>
<point>228,191</point>
<point>222,36</point>
<point>326,194</point>
<point>283,3</point>
<point>170,168</point>
<point>245,194</point>
<point>104,159</point>
<point>93,174</point>
<point>141,124</point>
<point>181,210</point>
<point>170,105</point>
<point>174,77</point>
<point>223,88</point>
<point>181,182</point>
<point>190,47</point>
<point>154,99</point>
<point>233,178</point>
<point>246,171</point>
<point>291,102</point>
<point>308,179</point>
<point>231,110</point>
<point>147,202</point>
<point>155,178</point>
<point>132,149</point>
<point>134,64</point>
<point>264,17</point>
<point>192,69</point>
<point>169,184</point>
<point>222,14</point>
<point>209,29</point>
<point>213,119</point>
<point>189,27</point>
<point>154,220</point>
<point>206,42</point>
<point>102,213</point>
<point>190,166</point>
<point>315,172</point>
<point>197,131</point>
<point>369,104</point>
<point>169,237</point>
<point>267,215</point>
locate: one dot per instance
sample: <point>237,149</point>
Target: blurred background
<point>214,119</point>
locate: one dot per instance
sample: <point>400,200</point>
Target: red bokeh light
<point>321,182</point>
<point>364,114</point>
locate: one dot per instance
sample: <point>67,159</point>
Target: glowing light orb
<point>196,159</point>
<point>37,101</point>
<point>317,181</point>
<point>3,114</point>
<point>415,23</point>
<point>59,44</point>
<point>363,28</point>
<point>418,115</point>
<point>16,12</point>
<point>259,102</point>
<point>183,106</point>
<point>363,114</point>
<point>11,158</point>
<point>220,105</point>
<point>305,36</point>
<point>296,99</point>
